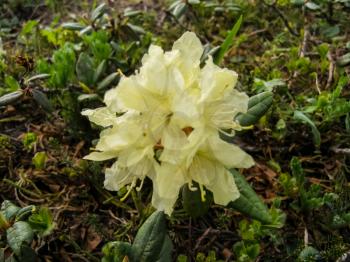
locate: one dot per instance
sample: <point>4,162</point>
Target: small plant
<point>29,140</point>
<point>20,226</point>
<point>151,243</point>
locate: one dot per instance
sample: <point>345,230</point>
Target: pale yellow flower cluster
<point>164,123</point>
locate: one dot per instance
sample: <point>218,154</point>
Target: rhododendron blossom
<point>164,123</point>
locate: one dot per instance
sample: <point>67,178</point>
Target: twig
<point>345,151</point>
<point>202,237</point>
<point>330,70</point>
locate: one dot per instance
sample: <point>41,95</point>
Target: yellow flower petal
<point>224,188</point>
<point>228,154</point>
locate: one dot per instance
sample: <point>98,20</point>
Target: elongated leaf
<point>86,30</point>
<point>107,81</point>
<point>179,10</point>
<point>228,41</point>
<point>98,12</point>
<point>344,60</point>
<point>165,253</point>
<point>249,203</point>
<point>303,118</point>
<point>25,212</point>
<point>38,77</point>
<point>73,26</point>
<point>88,97</point>
<point>17,235</point>
<point>101,68</point>
<point>42,100</point>
<point>117,251</point>
<point>10,98</point>
<point>151,238</point>
<point>257,107</point>
<point>192,201</point>
<point>85,69</point>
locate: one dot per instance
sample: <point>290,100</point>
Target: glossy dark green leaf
<point>226,45</point>
<point>107,81</point>
<point>86,30</point>
<point>98,12</point>
<point>42,100</point>
<point>166,251</point>
<point>137,29</point>
<point>11,98</point>
<point>257,107</point>
<point>27,254</point>
<point>73,26</point>
<point>9,210</point>
<point>179,10</point>
<point>344,60</point>
<point>101,68</point>
<point>25,212</point>
<point>192,201</point>
<point>38,77</point>
<point>249,203</point>
<point>88,97</point>
<point>151,238</point>
<point>85,69</point>
<point>17,235</point>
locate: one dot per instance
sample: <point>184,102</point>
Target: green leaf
<point>257,107</point>
<point>344,60</point>
<point>11,83</point>
<point>86,30</point>
<point>298,115</point>
<point>42,100</point>
<point>10,98</point>
<point>165,252</point>
<point>312,6</point>
<point>98,12</point>
<point>24,212</point>
<point>88,97</point>
<point>37,77</point>
<point>179,10</point>
<point>309,254</point>
<point>228,41</point>
<point>9,210</point>
<point>116,251</point>
<point>107,81</point>
<point>85,69</point>
<point>150,242</point>
<point>39,160</point>
<point>27,254</point>
<point>73,26</point>
<point>17,235</point>
<point>29,27</point>
<point>192,201</point>
<point>42,221</point>
<point>101,68</point>
<point>249,203</point>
